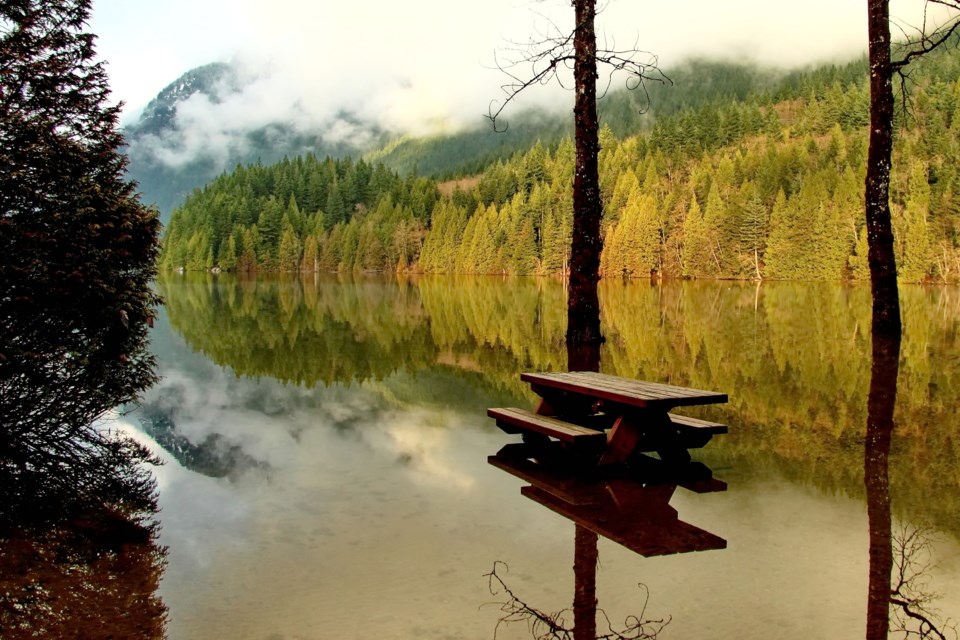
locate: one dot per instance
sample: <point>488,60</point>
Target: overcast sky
<point>428,62</point>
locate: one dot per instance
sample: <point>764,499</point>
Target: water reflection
<point>390,444</point>
<point>90,578</point>
<point>214,456</point>
<point>880,406</point>
<point>78,547</point>
<point>898,588</point>
<point>618,504</point>
<point>615,503</point>
<point>808,343</point>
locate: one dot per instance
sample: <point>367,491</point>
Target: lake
<point>326,446</point>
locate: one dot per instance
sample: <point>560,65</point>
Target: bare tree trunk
<point>886,328</point>
<point>882,260</point>
<point>587,207</point>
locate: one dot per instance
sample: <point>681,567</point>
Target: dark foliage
<point>78,256</point>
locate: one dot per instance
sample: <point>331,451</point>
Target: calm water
<point>326,446</point>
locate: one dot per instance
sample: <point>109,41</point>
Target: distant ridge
<point>160,148</point>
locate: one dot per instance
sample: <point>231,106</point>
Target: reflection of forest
<point>94,578</point>
<point>79,556</point>
<point>793,357</point>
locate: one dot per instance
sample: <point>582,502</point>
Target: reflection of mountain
<point>213,457</point>
<point>464,340</point>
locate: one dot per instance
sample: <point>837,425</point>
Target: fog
<point>424,66</point>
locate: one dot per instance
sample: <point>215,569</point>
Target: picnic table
<point>609,419</point>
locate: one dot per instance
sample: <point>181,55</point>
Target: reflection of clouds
<point>270,421</point>
<point>336,519</point>
<point>423,439</point>
<point>263,417</point>
<point>183,496</point>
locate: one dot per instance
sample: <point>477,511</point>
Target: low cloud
<point>429,66</point>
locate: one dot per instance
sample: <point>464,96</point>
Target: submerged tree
<point>78,256</point>
<point>886,322</point>
<point>546,57</point>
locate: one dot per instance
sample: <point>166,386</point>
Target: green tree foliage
<point>228,254</point>
<point>915,249</point>
<point>762,180</point>
<point>353,197</point>
<point>75,299</point>
<point>288,254</point>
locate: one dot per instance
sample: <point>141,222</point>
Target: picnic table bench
<point>612,418</point>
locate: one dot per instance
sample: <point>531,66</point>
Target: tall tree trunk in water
<point>583,305</point>
<point>880,405</point>
<point>886,328</point>
<point>883,265</point>
<point>587,207</point>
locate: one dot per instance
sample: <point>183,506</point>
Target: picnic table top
<point>624,391</point>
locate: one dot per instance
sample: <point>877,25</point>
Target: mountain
<point>185,137</point>
<point>710,185</point>
<point>179,143</point>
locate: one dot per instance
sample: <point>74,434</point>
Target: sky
<point>422,65</point>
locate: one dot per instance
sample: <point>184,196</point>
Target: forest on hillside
<point>762,180</point>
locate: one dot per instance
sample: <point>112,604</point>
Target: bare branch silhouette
<point>919,40</point>
<point>550,50</point>
<point>556,626</point>
<point>910,592</point>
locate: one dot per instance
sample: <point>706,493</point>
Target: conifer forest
<point>765,183</point>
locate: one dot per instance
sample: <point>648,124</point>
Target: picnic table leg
<point>629,430</point>
<point>622,439</point>
<point>669,444</point>
<point>557,403</point>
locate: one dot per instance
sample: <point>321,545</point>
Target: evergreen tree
<point>311,255</point>
<point>698,249</point>
<point>270,227</point>
<point>915,250</point>
<point>288,256</point>
<point>75,299</point>
<point>228,257</point>
<point>248,254</point>
<point>752,231</point>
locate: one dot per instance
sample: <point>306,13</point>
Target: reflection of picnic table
<point>612,418</point>
<point>636,516</point>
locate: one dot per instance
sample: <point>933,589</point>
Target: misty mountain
<point>185,137</point>
<point>210,120</point>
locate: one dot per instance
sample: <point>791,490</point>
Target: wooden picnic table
<point>616,417</point>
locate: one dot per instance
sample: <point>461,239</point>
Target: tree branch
<point>547,626</point>
<point>909,593</point>
<point>552,49</point>
<point>923,41</point>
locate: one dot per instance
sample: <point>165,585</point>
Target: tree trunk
<point>883,266</point>
<point>886,328</point>
<point>586,245</point>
